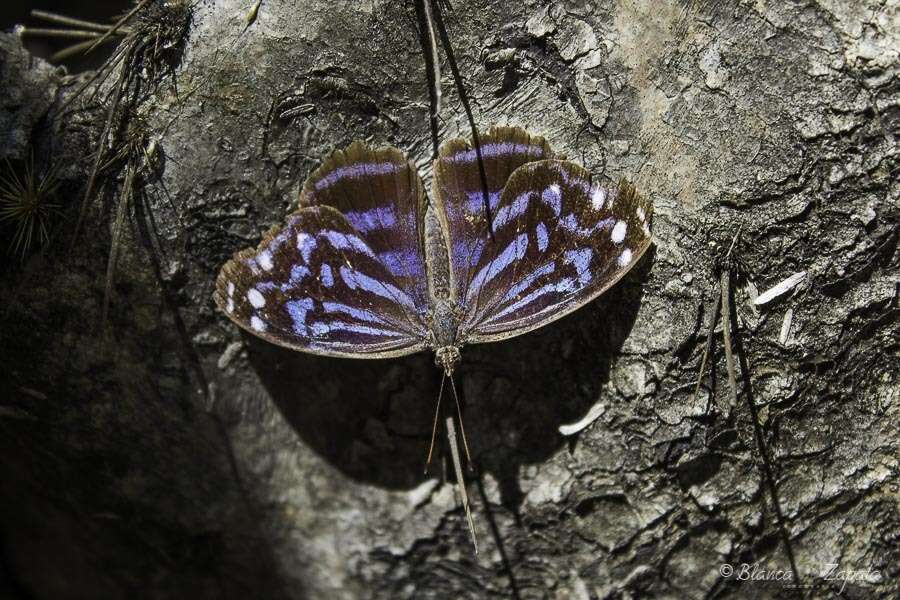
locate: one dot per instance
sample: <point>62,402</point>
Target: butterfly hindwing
<point>561,240</point>
<point>381,195</point>
<point>459,194</point>
<point>315,285</point>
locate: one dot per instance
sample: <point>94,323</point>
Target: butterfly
<point>367,267</point>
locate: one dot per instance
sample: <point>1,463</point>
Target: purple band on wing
<point>298,309</point>
<point>352,311</point>
<point>306,243</point>
<point>325,276</point>
<point>563,286</point>
<point>496,149</point>
<point>355,279</point>
<point>514,251</point>
<point>552,197</point>
<point>569,223</point>
<point>379,217</point>
<point>581,260</point>
<point>475,201</point>
<point>321,329</point>
<point>542,237</point>
<point>526,281</point>
<point>356,171</point>
<point>344,241</point>
<point>513,210</point>
<point>298,273</point>
<point>467,254</point>
<point>402,263</point>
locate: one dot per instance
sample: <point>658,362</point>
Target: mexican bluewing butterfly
<point>367,268</point>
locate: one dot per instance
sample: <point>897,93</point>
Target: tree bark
<point>167,455</point>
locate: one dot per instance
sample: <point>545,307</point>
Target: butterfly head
<point>447,357</point>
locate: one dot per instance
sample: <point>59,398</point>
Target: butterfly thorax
<point>444,329</point>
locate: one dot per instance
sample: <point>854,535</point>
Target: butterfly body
<point>443,331</point>
<point>368,268</point>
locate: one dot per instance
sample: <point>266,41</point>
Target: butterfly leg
<point>460,481</point>
<point>462,429</point>
<point>437,410</point>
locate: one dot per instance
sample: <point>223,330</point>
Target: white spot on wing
<point>641,214</point>
<point>257,323</point>
<point>265,260</point>
<point>229,306</point>
<point>618,232</point>
<point>598,197</point>
<point>230,289</point>
<point>625,257</point>
<point>255,298</point>
<point>306,244</point>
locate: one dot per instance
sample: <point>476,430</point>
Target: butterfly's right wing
<point>316,286</point>
<point>459,194</point>
<point>561,240</point>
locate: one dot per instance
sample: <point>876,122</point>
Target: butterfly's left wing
<point>561,240</point>
<point>316,286</point>
<point>381,195</point>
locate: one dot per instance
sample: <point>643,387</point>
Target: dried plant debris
<point>152,36</point>
<point>779,289</point>
<point>139,156</point>
<point>250,17</point>
<point>28,205</point>
<point>592,415</point>
<point>785,333</point>
<point>152,48</point>
<point>87,32</point>
<point>730,269</point>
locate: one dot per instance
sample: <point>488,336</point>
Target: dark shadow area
<point>114,483</point>
<point>373,419</point>
<point>519,391</point>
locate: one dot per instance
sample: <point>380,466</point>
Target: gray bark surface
<point>170,456</point>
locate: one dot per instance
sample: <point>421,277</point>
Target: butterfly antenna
<point>461,428</point>
<point>437,411</point>
<point>460,481</point>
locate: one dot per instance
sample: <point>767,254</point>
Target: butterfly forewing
<point>561,240</point>
<point>315,285</point>
<point>382,197</point>
<point>459,194</point>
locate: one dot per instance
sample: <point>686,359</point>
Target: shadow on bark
<point>372,419</point>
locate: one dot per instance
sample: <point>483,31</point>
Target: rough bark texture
<point>172,457</point>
